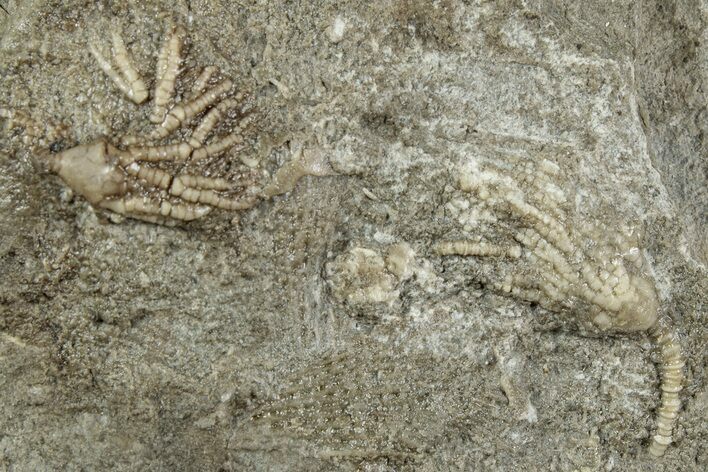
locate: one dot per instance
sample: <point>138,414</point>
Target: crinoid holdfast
<point>166,176</point>
<point>597,274</point>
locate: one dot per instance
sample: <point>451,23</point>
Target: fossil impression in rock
<point>146,177</point>
<point>598,275</point>
<point>363,404</point>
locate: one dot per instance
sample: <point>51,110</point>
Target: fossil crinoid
<point>599,275</point>
<point>155,178</point>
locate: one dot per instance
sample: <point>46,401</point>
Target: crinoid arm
<point>197,189</point>
<point>159,211</point>
<point>195,148</point>
<point>166,152</point>
<point>191,189</point>
<point>184,112</point>
<point>124,75</point>
<point>168,64</point>
<point>201,83</point>
<point>211,119</point>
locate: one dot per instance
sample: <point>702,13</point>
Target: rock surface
<point>236,345</point>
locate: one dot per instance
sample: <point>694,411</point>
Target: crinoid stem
<point>481,248</point>
<point>671,370</point>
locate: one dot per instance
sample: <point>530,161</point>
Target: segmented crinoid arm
<point>197,189</point>
<point>211,119</point>
<point>168,64</point>
<point>159,211</point>
<point>217,147</point>
<point>195,149</point>
<point>617,294</point>
<point>126,77</point>
<point>152,176</point>
<point>181,151</point>
<point>167,152</point>
<point>193,188</point>
<point>182,113</point>
<point>201,82</point>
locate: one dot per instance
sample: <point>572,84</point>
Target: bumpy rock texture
<point>320,330</point>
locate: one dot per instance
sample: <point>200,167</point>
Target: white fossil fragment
<point>360,277</point>
<point>400,260</point>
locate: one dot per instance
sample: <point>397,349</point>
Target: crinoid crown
<point>595,274</point>
<point>167,175</point>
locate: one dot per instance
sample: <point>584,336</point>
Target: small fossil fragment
<point>127,177</point>
<point>604,283</point>
<point>303,162</point>
<point>360,277</point>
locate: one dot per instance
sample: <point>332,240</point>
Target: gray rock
<point>227,343</point>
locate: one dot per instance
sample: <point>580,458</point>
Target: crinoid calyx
<point>598,275</point>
